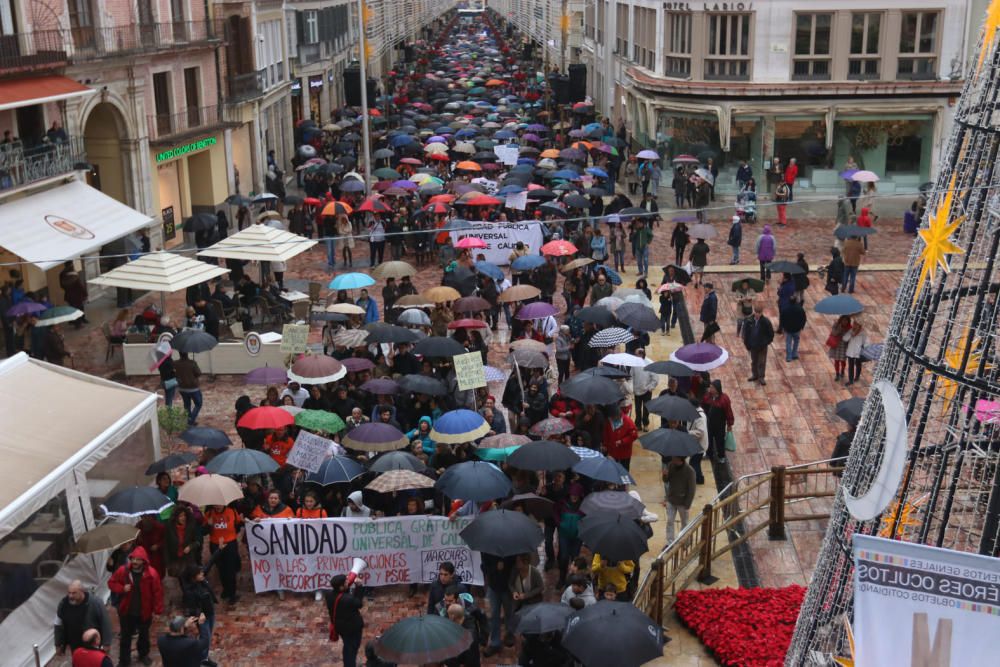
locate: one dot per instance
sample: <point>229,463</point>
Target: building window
<point>311,28</point>
<point>812,46</point>
<point>728,47</point>
<point>677,59</point>
<point>864,61</point>
<point>918,46</point>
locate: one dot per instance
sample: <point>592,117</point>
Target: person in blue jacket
<point>423,433</point>
<point>371,308</point>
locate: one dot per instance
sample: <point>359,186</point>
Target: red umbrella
<point>441,157</point>
<point>411,160</point>
<point>316,369</point>
<point>559,248</point>
<point>373,205</point>
<point>467,324</point>
<point>438,208</point>
<point>483,200</point>
<point>442,199</point>
<point>471,242</point>
<point>312,201</point>
<point>266,416</point>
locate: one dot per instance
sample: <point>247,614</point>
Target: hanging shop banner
<point>501,237</point>
<point>921,605</point>
<point>301,555</point>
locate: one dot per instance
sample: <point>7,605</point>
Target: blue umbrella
<point>592,126</point>
<point>352,185</point>
<point>841,304</point>
<point>351,281</point>
<point>529,262</point>
<point>336,470</point>
<point>477,481</point>
<point>400,140</point>
<point>444,129</point>
<point>526,160</point>
<point>510,190</point>
<point>613,276</point>
<point>491,270</point>
<point>437,140</point>
<point>242,462</point>
<point>603,469</point>
<point>597,171</point>
<point>459,426</point>
<point>504,134</point>
<point>565,174</point>
<point>201,436</point>
<point>465,133</point>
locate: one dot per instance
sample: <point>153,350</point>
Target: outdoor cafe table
<point>24,552</point>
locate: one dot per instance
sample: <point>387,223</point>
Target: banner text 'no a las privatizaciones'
<point>921,606</point>
<point>301,555</point>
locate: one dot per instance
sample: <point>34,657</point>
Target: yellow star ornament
<point>966,354</point>
<point>989,31</point>
<point>936,238</point>
<point>847,661</point>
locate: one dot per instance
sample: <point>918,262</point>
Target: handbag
<point>832,341</point>
<point>730,442</point>
<point>170,384</point>
<point>334,637</point>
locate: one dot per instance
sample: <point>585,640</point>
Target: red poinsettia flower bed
<point>744,627</point>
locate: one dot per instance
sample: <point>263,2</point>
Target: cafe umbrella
<point>503,533</point>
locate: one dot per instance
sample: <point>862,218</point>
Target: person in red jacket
<point>791,173</point>
<point>619,434</point>
<point>140,598</point>
<point>565,407</point>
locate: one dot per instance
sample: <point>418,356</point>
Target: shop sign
<point>184,149</point>
<point>169,225</point>
<point>709,6</point>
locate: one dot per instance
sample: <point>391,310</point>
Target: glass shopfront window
<point>34,553</point>
<point>689,134</point>
<point>803,139</point>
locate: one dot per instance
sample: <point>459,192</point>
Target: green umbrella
<point>387,173</point>
<point>478,90</point>
<point>320,420</point>
<point>418,640</point>
<point>755,284</point>
<point>58,315</point>
<point>496,454</point>
<point>485,144</point>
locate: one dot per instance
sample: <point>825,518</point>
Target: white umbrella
<point>210,489</point>
<point>610,302</point>
<point>647,155</point>
<point>624,359</point>
<point>261,243</point>
<point>160,272</point>
<point>865,176</point>
<point>705,174</point>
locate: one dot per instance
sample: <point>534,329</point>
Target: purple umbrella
<point>405,185</point>
<point>381,386</point>
<point>537,127</point>
<point>266,375</point>
<point>576,134</point>
<point>701,356</point>
<point>685,218</point>
<point>848,173</point>
<point>26,308</point>
<point>533,138</point>
<point>536,311</point>
<point>436,139</point>
<point>356,364</point>
<point>375,437</point>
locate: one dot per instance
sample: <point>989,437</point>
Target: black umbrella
<point>670,442</point>
<point>613,634</point>
<point>477,481</point>
<point>438,346</point>
<point>783,266</point>
<point>242,462</point>
<point>605,372</point>
<point>170,462</point>
<point>380,332</point>
<point>398,460</point>
<point>576,201</point>
<point>613,536</point>
<point>638,316</point>
<point>618,502</point>
<point>537,619</point>
<point>681,277</point>
<point>136,501</point>
<point>531,503</point>
<point>323,316</point>
<point>543,455</point>
<point>674,369</point>
<point>850,410</point>
<point>202,436</point>
<point>419,640</point>
<point>503,533</point>
<point>193,341</point>
<point>845,232</point>
<point>603,469</point>
<point>201,222</point>
<point>839,304</point>
<point>673,408</point>
<point>238,200</point>
<point>293,199</point>
<point>421,384</point>
<point>596,390</point>
<point>336,470</point>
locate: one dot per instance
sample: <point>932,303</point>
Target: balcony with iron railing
<point>244,87</point>
<point>47,49</point>
<point>171,126</point>
<point>21,166</point>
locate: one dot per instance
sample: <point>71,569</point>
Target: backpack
<point>569,525</point>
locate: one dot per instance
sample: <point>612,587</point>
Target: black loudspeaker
<point>529,51</point>
<point>560,88</point>
<point>408,54</point>
<point>577,82</point>
<point>352,87</point>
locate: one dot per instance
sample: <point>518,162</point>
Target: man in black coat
<point>758,332</point>
<point>185,643</point>
<point>78,612</point>
<point>344,607</point>
<point>446,577</point>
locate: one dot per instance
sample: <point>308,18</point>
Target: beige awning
<point>160,272</point>
<point>261,243</point>
<point>54,417</point>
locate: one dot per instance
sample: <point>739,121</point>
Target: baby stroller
<point>746,206</point>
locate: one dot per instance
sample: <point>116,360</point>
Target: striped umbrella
<point>611,337</point>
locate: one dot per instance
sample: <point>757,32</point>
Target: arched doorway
<point>103,133</point>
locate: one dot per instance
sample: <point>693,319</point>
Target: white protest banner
<point>491,187</point>
<point>309,451</point>
<point>301,555</point>
<point>469,370</point>
<point>294,338</point>
<point>921,605</point>
<point>518,201</point>
<point>501,237</point>
<point>507,154</point>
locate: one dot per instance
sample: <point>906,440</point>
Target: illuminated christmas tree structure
<point>925,462</point>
